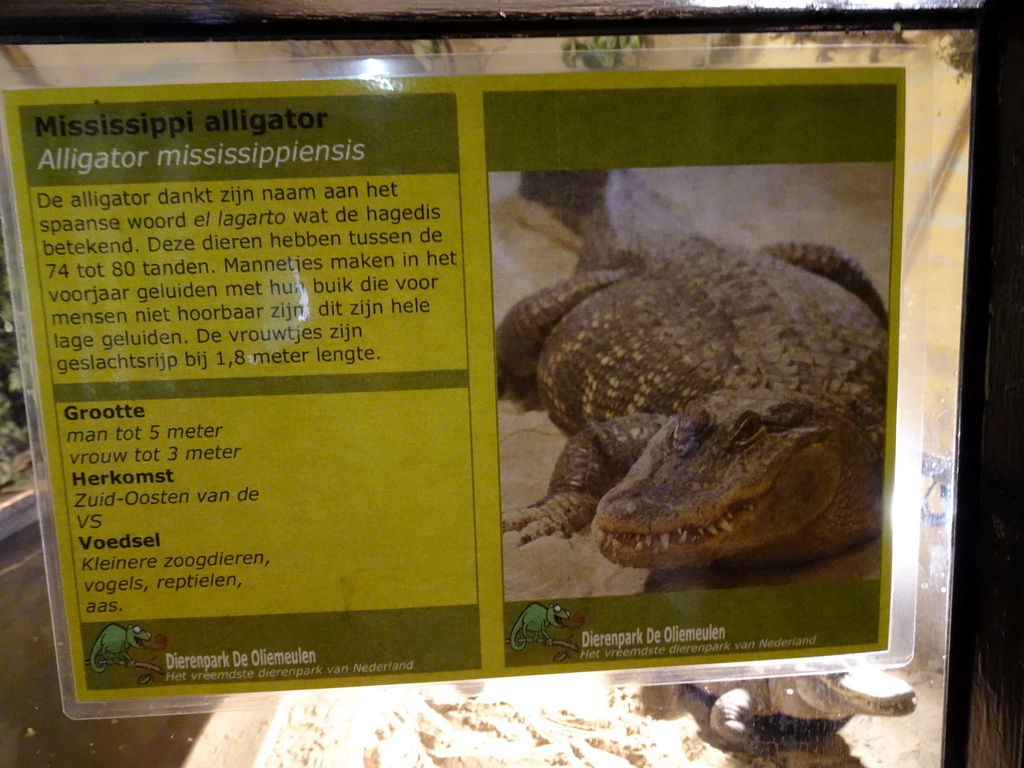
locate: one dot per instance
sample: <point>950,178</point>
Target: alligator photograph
<point>723,404</point>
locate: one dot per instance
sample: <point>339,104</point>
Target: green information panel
<point>290,346</point>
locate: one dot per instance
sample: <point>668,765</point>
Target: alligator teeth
<point>699,532</point>
<point>664,540</point>
<point>639,545</point>
<point>725,525</point>
<point>649,540</point>
<point>712,531</point>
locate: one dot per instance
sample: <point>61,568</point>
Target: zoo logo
<point>533,624</point>
<point>114,643</point>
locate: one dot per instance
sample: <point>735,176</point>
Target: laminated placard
<point>410,379</point>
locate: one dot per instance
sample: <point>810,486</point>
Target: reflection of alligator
<point>741,706</point>
<point>725,406</point>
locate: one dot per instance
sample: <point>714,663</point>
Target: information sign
<point>269,327</point>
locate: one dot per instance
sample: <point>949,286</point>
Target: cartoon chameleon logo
<point>532,627</point>
<point>113,644</point>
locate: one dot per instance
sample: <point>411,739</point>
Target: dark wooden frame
<point>985,706</point>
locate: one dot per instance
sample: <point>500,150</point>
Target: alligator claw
<point>521,526</point>
<point>561,513</point>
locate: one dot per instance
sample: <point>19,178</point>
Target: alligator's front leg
<point>592,462</point>
<point>520,336</point>
<point>730,719</point>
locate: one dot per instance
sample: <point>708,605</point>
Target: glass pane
<point>586,719</point>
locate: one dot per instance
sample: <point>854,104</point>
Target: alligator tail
<point>834,265</point>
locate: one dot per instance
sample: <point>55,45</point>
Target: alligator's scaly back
<point>651,342</point>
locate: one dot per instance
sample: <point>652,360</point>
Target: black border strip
<point>54,21</point>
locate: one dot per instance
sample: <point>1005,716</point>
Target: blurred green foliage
<point>13,431</point>
<point>957,48</point>
<point>601,52</point>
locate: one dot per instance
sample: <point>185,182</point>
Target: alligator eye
<point>786,415</point>
<point>748,429</point>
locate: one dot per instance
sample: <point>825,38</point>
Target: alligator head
<point>747,479</point>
